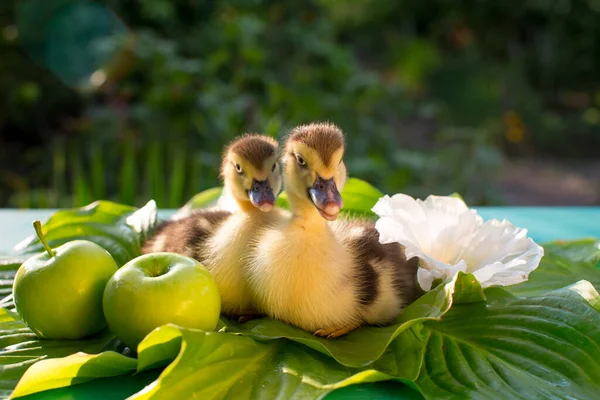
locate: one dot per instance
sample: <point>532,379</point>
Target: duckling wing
<point>385,281</point>
<point>186,235</point>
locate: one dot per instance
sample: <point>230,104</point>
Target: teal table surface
<point>543,223</point>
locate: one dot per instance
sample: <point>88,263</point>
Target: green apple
<point>160,288</point>
<point>58,293</point>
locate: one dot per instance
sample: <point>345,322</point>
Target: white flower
<point>449,237</point>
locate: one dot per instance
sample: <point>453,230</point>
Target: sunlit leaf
<point>539,347</point>
<point>20,348</point>
<point>360,197</point>
<point>282,200</point>
<point>120,229</point>
<point>585,250</point>
<point>74,369</point>
<point>218,365</point>
<point>456,195</point>
<point>203,199</point>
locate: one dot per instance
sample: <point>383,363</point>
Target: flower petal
<point>431,269</point>
<point>502,254</point>
<point>399,206</point>
<point>406,212</point>
<point>425,278</point>
<point>439,226</point>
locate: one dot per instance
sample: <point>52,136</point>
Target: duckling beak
<point>327,198</point>
<point>261,195</point>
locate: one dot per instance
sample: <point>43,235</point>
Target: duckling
<point>220,239</point>
<point>328,278</point>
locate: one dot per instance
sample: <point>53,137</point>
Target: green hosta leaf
<point>110,388</point>
<point>390,390</point>
<point>586,250</point>
<point>203,199</point>
<point>282,200</point>
<point>456,195</point>
<point>20,348</point>
<point>468,289</point>
<point>71,370</point>
<point>563,264</point>
<point>360,197</point>
<point>403,357</point>
<point>159,348</point>
<point>533,348</point>
<point>120,229</point>
<point>218,365</point>
<point>207,198</point>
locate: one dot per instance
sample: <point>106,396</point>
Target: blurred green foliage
<point>135,100</point>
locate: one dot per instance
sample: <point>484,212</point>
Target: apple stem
<point>156,271</point>
<point>37,225</point>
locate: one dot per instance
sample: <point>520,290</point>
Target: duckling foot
<point>333,333</point>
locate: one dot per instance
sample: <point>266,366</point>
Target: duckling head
<point>314,172</point>
<point>250,171</point>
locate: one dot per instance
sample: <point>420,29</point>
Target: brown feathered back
<point>183,236</point>
<point>324,137</point>
<point>253,147</point>
<point>370,253</point>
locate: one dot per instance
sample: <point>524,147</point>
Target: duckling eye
<point>273,167</point>
<point>238,168</point>
<point>300,160</point>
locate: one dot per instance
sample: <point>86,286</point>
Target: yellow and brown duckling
<point>326,278</point>
<point>220,239</point>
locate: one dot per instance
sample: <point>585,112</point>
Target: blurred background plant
<point>135,100</point>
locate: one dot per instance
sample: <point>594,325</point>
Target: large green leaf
<point>563,264</point>
<point>203,199</point>
<point>74,369</point>
<point>584,250</point>
<point>20,348</point>
<point>360,197</point>
<point>218,365</point>
<point>110,388</point>
<point>282,200</point>
<point>120,229</point>
<point>532,348</point>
